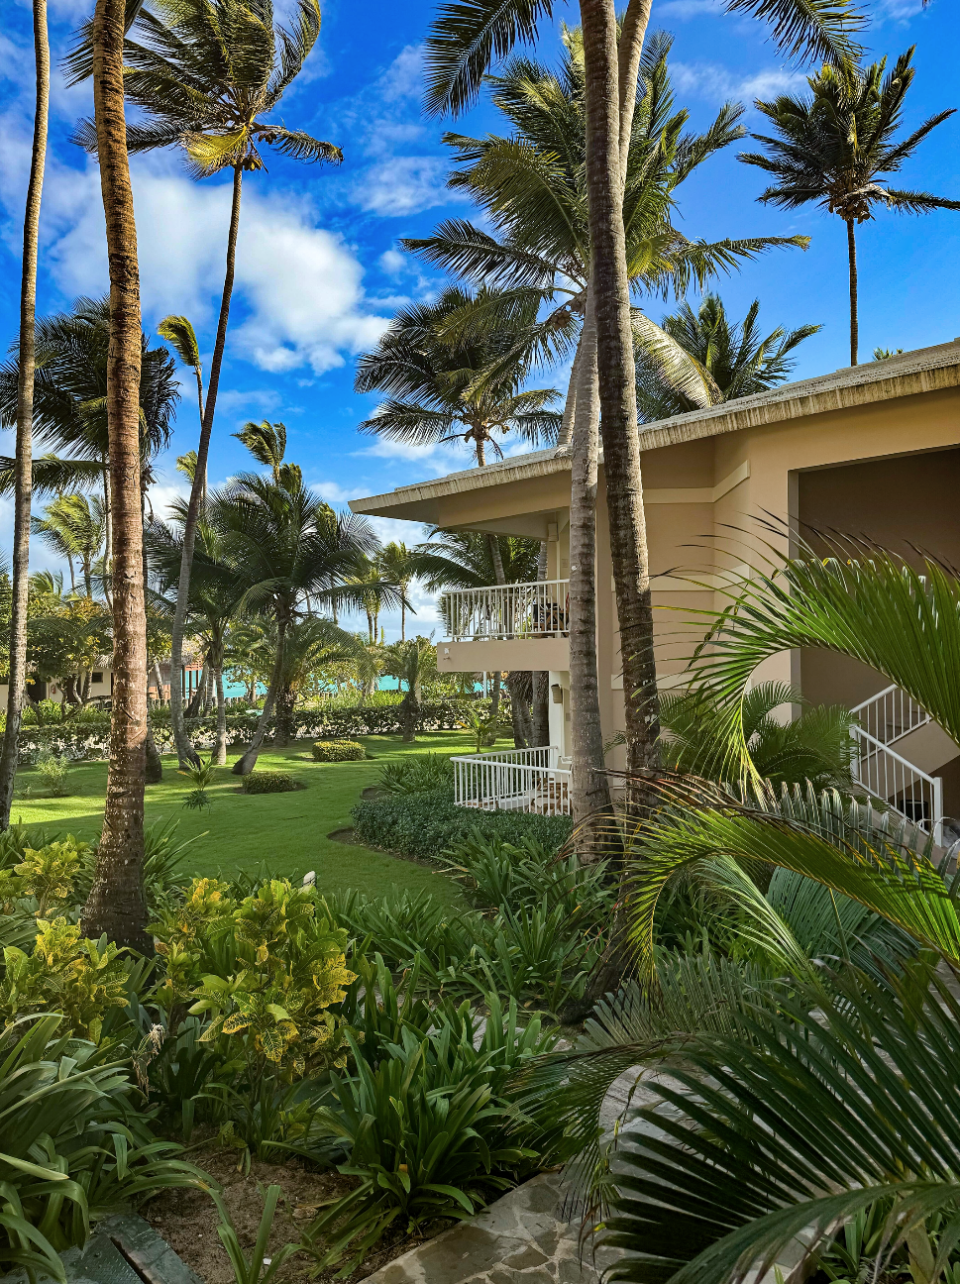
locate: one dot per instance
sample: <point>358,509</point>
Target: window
<point>98,675</point>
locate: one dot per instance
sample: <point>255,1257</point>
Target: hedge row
<point>423,825</point>
<point>91,740</point>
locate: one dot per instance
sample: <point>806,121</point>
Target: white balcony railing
<point>537,610</point>
<point>533,780</point>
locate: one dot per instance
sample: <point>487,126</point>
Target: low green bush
<point>270,782</point>
<point>426,1116</point>
<point>421,773</point>
<point>79,1144</point>
<point>424,825</point>
<point>338,751</point>
<point>537,955</point>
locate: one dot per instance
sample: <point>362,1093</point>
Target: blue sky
<point>318,271</point>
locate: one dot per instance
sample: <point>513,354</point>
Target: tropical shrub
<point>202,774</point>
<point>338,751</point>
<point>430,1130</point>
<point>75,1144</point>
<point>423,825</point>
<point>527,873</point>
<point>54,773</point>
<point>416,774</point>
<point>49,875</point>
<point>89,738</point>
<point>79,979</point>
<point>263,970</point>
<point>270,782</point>
<point>538,956</point>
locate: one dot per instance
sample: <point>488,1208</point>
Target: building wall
<point>889,470</point>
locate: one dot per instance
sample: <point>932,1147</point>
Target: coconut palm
<point>532,187</point>
<point>75,527</point>
<point>266,442</point>
<point>411,662</point>
<point>207,74</point>
<point>286,546</point>
<point>734,354</point>
<point>432,380</point>
<point>70,404</point>
<point>397,569</point>
<point>16,677</point>
<point>308,644</point>
<point>464,41</point>
<point>116,905</point>
<point>836,146</point>
<point>214,597</point>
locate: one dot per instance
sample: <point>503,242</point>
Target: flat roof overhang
<point>910,374</point>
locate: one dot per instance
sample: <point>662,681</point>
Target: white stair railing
<point>534,610</point>
<point>513,780</point>
<point>891,778</point>
<point>890,714</point>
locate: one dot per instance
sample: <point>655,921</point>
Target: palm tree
<point>267,443</point>
<point>734,355</point>
<point>214,597</point>
<point>433,381</point>
<point>70,404</point>
<point>463,43</point>
<point>411,662</point>
<point>309,643</point>
<point>16,677</point>
<point>207,74</point>
<point>368,579</point>
<point>180,334</point>
<point>116,905</point>
<point>531,186</point>
<point>397,569</point>
<point>76,528</point>
<point>286,546</point>
<point>836,146</point>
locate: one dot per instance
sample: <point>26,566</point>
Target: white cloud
<point>717,83</point>
<point>393,262</point>
<point>404,185</point>
<point>334,493</point>
<point>299,284</point>
<point>404,77</point>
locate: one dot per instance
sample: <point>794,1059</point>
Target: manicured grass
<point>284,833</point>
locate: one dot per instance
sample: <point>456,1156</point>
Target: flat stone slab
<point>124,1249</point>
<point>522,1238</point>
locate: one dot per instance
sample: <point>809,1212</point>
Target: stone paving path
<point>522,1238</point>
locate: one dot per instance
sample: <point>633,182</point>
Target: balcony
<point>506,626</point>
<point>530,780</point>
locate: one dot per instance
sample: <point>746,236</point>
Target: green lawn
<point>286,833</point>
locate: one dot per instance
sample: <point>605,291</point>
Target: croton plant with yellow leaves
<point>265,969</point>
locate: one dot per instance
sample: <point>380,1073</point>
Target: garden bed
<point>187,1219</point>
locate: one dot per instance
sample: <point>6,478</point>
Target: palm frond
<point>467,36</point>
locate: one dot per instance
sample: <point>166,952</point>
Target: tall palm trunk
<point>23,494</point>
<point>220,749</point>
<point>615,367</point>
<point>854,314</point>
<point>590,787</point>
<point>245,764</point>
<point>116,904</point>
<point>153,764</point>
<point>185,751</point>
<point>107,534</point>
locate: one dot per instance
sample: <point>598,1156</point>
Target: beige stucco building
<point>871,450</point>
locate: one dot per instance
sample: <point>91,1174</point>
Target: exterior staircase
<point>894,736</point>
